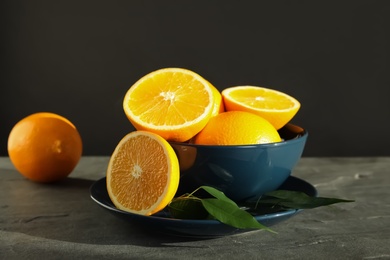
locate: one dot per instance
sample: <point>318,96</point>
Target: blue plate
<point>164,223</point>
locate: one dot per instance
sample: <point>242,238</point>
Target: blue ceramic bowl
<point>242,172</point>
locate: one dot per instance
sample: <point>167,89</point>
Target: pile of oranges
<point>179,105</point>
<point>171,104</point>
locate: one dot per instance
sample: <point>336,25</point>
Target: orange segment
<point>173,102</point>
<point>275,106</point>
<point>237,128</point>
<point>143,173</point>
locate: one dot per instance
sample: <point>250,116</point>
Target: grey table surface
<point>60,221</point>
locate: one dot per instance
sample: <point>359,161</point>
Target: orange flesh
<point>256,97</point>
<point>143,174</point>
<point>163,100</point>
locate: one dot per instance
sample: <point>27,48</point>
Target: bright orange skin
<point>218,102</point>
<point>44,147</point>
<point>237,128</point>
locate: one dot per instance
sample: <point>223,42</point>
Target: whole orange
<point>44,147</point>
<point>237,128</point>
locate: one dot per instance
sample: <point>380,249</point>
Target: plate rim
<point>207,222</point>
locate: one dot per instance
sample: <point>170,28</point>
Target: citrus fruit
<point>237,128</point>
<point>174,103</point>
<point>143,173</point>
<point>218,102</point>
<point>44,147</point>
<point>275,106</point>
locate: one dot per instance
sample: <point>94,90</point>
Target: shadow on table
<point>64,211</point>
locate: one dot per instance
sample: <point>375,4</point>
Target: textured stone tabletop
<point>60,221</point>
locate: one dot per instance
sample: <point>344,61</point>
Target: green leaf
<point>218,194</point>
<point>297,200</point>
<point>230,214</point>
<point>187,208</point>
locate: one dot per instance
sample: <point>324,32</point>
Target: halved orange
<point>275,106</point>
<point>218,102</point>
<point>143,173</point>
<point>174,103</point>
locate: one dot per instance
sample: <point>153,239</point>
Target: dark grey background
<point>78,58</point>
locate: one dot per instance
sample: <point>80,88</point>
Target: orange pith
<point>237,128</point>
<point>44,147</point>
<point>173,102</point>
<point>143,173</point>
<point>275,106</point>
